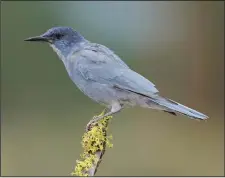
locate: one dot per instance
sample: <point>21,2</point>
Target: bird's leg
<point>114,109</point>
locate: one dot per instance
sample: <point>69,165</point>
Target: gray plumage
<point>101,75</point>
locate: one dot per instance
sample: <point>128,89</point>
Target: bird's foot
<point>94,121</point>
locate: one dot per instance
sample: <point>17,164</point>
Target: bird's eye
<point>58,35</point>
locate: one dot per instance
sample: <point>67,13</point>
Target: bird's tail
<point>173,107</point>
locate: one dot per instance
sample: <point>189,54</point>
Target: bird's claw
<point>95,118</point>
<point>91,122</point>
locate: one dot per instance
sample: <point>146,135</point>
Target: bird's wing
<point>106,52</point>
<point>100,68</point>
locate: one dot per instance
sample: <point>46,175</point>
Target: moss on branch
<point>94,143</point>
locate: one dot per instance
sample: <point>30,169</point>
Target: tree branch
<point>94,142</point>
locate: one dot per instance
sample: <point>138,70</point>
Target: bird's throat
<point>58,52</point>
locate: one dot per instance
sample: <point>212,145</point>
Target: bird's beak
<point>38,38</point>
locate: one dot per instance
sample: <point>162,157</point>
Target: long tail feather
<point>173,106</point>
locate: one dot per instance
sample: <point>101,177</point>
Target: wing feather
<point>99,67</point>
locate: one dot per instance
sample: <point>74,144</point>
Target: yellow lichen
<point>92,141</point>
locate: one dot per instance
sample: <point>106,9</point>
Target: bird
<point>101,75</point>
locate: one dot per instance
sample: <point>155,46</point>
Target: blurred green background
<point>179,46</point>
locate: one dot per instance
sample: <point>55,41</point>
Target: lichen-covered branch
<point>94,142</point>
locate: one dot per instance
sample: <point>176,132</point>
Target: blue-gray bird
<point>101,75</point>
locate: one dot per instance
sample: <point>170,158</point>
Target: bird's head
<point>62,39</point>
